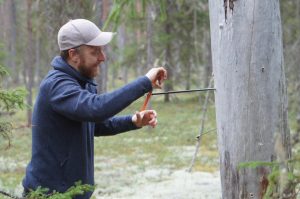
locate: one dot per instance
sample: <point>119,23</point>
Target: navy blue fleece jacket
<point>68,113</point>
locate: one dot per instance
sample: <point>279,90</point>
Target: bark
<point>150,10</point>
<point>168,57</point>
<point>38,50</point>
<point>139,58</point>
<point>8,37</point>
<point>121,46</point>
<point>251,99</point>
<point>102,79</point>
<point>140,69</point>
<point>208,61</point>
<point>296,136</point>
<point>298,10</point>
<point>4,29</point>
<point>13,40</point>
<point>30,61</point>
<point>149,36</point>
<point>188,76</point>
<point>196,41</point>
<point>168,53</point>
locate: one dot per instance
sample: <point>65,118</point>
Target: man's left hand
<point>145,118</point>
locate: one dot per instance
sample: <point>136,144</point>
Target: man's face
<point>90,59</point>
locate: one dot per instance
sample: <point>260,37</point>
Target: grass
<point>179,124</point>
<point>171,143</point>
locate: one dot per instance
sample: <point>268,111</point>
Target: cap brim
<point>102,39</point>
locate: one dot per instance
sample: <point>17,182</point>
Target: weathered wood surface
<point>251,99</point>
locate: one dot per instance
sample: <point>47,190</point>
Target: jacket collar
<point>58,63</point>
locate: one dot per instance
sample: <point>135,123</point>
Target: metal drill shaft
<point>184,91</point>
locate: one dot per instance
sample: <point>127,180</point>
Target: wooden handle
<point>146,101</point>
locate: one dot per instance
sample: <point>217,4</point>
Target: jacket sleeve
<point>69,99</point>
<point>115,125</point>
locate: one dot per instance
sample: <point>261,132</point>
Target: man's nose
<point>102,56</point>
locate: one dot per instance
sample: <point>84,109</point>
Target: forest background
<point>174,34</point>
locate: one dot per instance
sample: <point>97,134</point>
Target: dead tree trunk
<point>251,99</point>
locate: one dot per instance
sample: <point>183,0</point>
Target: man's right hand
<point>157,76</point>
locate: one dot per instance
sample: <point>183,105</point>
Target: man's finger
<point>152,120</point>
<point>153,124</point>
<point>138,117</point>
<point>154,113</point>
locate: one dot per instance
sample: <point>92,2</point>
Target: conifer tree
<point>10,100</point>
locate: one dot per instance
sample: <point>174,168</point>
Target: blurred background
<point>170,33</point>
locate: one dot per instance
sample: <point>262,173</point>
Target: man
<point>68,112</point>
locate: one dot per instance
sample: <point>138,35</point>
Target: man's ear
<point>73,55</point>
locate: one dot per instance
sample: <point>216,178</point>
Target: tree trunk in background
<point>8,37</point>
<point>168,57</point>
<point>251,98</point>
<point>207,60</point>
<point>103,77</point>
<point>188,76</point>
<point>185,62</point>
<point>297,133</point>
<point>38,73</point>
<point>168,85</point>
<point>139,57</point>
<point>13,41</point>
<point>298,10</point>
<point>121,46</point>
<point>296,136</point>
<point>30,61</point>
<point>149,36</point>
<point>140,69</point>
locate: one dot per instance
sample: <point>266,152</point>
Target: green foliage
<point>12,99</point>
<point>120,5</point>
<point>281,182</point>
<point>9,100</point>
<point>5,131</point>
<point>115,13</point>
<point>2,54</point>
<point>3,72</point>
<point>77,189</point>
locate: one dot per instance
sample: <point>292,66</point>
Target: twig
<point>9,195</point>
<point>204,110</point>
<point>209,131</point>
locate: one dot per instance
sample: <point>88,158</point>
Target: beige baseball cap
<point>79,32</point>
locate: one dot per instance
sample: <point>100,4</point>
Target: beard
<point>90,71</point>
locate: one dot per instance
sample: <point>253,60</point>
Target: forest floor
<point>132,182</point>
<point>147,163</point>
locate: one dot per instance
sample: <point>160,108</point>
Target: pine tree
<point>10,100</point>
